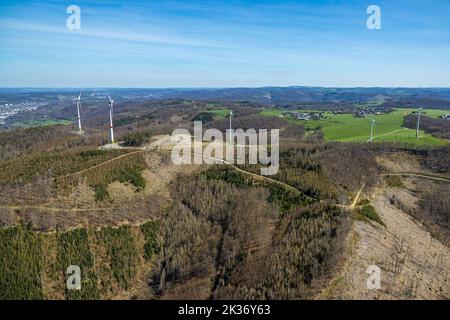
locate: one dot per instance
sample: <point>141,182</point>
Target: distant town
<point>9,109</point>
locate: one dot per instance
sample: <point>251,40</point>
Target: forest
<point>436,127</point>
<point>205,232</point>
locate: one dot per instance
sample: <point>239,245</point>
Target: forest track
<point>45,208</point>
<point>99,165</point>
<point>414,174</point>
<point>352,206</point>
<point>255,175</point>
<point>388,133</point>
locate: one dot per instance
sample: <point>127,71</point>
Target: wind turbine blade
<point>108,95</point>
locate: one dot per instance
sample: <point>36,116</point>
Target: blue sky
<point>149,43</point>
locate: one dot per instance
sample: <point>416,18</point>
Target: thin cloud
<point>18,25</point>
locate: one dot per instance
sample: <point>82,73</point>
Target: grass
<point>394,181</point>
<point>40,123</point>
<point>433,113</point>
<point>368,212</point>
<point>388,127</point>
<point>273,113</point>
<point>220,113</point>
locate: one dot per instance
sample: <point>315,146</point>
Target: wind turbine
<point>231,116</point>
<point>418,123</point>
<point>78,111</point>
<point>111,109</point>
<point>371,130</point>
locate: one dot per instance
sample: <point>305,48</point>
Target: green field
<point>220,113</point>
<point>347,128</point>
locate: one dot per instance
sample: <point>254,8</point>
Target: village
<point>359,113</point>
<point>307,115</point>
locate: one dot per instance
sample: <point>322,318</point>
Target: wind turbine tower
<point>111,109</point>
<point>418,123</point>
<point>231,116</point>
<point>371,130</point>
<point>78,111</point>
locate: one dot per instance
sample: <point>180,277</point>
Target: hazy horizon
<point>222,88</point>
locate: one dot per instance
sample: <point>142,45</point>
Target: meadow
<point>347,128</point>
<point>220,113</point>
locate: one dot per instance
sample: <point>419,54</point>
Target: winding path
<point>413,174</point>
<point>100,164</point>
<point>40,207</point>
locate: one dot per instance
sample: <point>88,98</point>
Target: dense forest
<point>33,265</point>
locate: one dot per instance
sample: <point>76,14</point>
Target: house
<point>303,116</point>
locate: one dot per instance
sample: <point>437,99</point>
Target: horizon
<point>215,44</point>
<point>224,88</point>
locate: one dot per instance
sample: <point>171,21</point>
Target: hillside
<point>141,227</point>
<point>396,126</point>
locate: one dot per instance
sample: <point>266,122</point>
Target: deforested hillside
<point>407,238</point>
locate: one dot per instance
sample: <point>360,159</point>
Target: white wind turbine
<point>111,109</point>
<point>231,116</point>
<point>371,130</point>
<point>418,123</point>
<point>78,111</point>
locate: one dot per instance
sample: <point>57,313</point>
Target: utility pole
<point>231,115</point>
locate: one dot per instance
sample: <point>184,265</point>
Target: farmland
<point>220,113</point>
<point>347,128</point>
